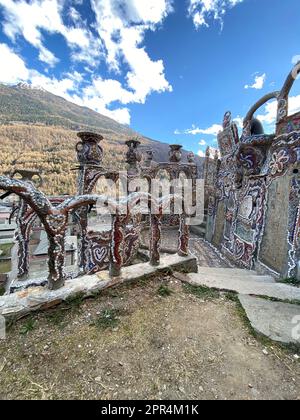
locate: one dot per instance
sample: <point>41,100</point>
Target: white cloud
<point>16,71</point>
<point>270,110</point>
<point>213,130</point>
<point>13,68</point>
<point>121,26</point>
<point>92,98</point>
<point>239,122</point>
<point>145,11</point>
<point>203,10</point>
<point>259,82</point>
<point>212,153</point>
<point>47,56</point>
<point>31,19</point>
<point>74,15</point>
<point>296,59</point>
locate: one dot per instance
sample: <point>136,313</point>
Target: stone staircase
<point>200,229</point>
<point>274,319</point>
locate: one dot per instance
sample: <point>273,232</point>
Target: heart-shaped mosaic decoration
<point>56,222</point>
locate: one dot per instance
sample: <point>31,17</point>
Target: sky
<point>168,68</point>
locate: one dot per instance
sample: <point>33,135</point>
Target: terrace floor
<point>157,339</point>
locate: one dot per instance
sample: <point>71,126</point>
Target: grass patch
<point>262,339</point>
<point>291,280</point>
<point>272,299</point>
<point>265,341</point>
<point>5,267</point>
<point>113,293</point>
<point>57,317</point>
<point>164,291</point>
<point>201,292</point>
<point>74,302</point>
<point>2,290</point>
<point>233,297</point>
<point>28,326</point>
<point>109,318</point>
<point>5,249</point>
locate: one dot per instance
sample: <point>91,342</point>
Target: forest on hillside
<point>51,150</point>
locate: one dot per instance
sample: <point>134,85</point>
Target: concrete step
<point>198,230</point>
<point>226,271</point>
<point>201,219</point>
<point>252,285</point>
<point>228,274</point>
<point>275,320</point>
<point>227,278</point>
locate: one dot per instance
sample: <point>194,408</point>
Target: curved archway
<point>283,99</point>
<point>248,120</point>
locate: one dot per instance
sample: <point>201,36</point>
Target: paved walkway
<point>206,255</point>
<point>277,320</point>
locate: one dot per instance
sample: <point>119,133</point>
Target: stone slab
<point>225,271</point>
<point>22,303</point>
<point>241,277</point>
<point>278,321</point>
<point>250,286</point>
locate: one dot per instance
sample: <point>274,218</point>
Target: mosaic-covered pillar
<point>117,238</point>
<point>184,235</point>
<point>56,223</point>
<point>155,239</point>
<point>133,157</point>
<point>90,156</point>
<point>23,238</point>
<point>56,262</point>
<point>148,161</point>
<point>175,153</point>
<point>24,224</point>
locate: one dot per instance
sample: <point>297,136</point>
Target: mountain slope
<point>22,103</point>
<point>38,130</point>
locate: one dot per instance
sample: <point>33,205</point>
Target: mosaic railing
<point>97,250</point>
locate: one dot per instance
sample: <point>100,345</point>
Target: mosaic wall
<point>253,214</point>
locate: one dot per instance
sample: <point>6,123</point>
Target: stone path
<point>277,320</point>
<point>244,283</point>
<point>206,255</point>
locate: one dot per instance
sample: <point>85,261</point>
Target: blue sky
<point>168,68</point>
